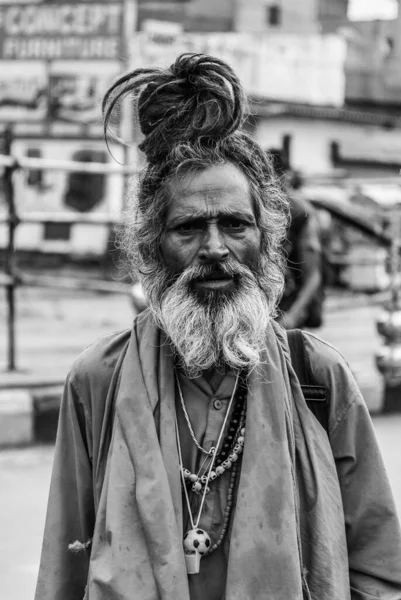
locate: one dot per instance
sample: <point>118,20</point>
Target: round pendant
<point>196,541</point>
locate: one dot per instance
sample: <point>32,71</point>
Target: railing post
<point>10,265</point>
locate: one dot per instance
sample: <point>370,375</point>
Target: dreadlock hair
<point>191,115</point>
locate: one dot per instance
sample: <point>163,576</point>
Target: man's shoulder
<point>330,369</point>
<point>325,359</point>
<point>96,364</point>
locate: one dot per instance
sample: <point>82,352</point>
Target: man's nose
<point>213,245</point>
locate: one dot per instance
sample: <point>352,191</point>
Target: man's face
<point>210,221</point>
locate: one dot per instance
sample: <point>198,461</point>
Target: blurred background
<point>324,78</point>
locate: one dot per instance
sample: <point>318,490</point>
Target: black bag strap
<point>315,395</point>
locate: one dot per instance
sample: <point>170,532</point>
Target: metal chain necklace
<point>191,431</point>
<point>197,541</point>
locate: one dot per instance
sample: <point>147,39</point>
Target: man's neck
<point>214,376</point>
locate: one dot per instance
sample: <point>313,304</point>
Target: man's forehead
<point>217,189</point>
<point>210,203</point>
<point>211,179</point>
<point>212,191</point>
<point>209,210</point>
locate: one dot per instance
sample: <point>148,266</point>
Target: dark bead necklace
<point>230,497</point>
<point>237,421</point>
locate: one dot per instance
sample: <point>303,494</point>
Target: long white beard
<point>217,330</point>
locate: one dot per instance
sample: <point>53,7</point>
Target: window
<point>34,177</point>
<point>274,15</point>
<point>85,191</point>
<point>57,231</point>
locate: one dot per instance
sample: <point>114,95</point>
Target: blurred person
<point>188,465</point>
<point>301,304</point>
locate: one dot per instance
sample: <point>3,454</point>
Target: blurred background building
<point>288,16</point>
<point>324,78</point>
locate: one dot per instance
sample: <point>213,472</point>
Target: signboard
<point>162,48</point>
<point>68,30</point>
<point>76,90</point>
<point>287,67</point>
<point>302,68</point>
<point>23,92</point>
<point>60,91</point>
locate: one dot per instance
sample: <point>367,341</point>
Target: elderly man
<point>188,465</point>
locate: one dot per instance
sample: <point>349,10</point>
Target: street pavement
<point>24,482</point>
<point>54,326</point>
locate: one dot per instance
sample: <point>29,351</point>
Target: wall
<point>194,15</point>
<point>279,65</point>
<point>310,145</point>
<point>297,17</point>
<point>332,14</point>
<point>249,15</point>
<point>373,61</point>
<point>209,15</point>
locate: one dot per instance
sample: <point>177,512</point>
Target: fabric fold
<point>137,546</point>
<point>321,514</point>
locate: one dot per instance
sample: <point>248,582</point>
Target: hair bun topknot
<point>197,99</point>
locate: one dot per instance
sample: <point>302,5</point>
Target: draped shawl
<point>288,534</point>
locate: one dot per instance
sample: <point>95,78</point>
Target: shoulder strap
<point>315,395</point>
<point>298,356</point>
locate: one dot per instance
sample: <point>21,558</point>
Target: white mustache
<point>229,269</point>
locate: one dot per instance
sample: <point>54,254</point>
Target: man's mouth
<point>214,281</point>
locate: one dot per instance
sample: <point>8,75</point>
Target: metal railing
<point>12,277</point>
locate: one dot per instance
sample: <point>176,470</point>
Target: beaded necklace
<point>230,494</point>
<point>240,390</point>
<point>197,541</point>
<point>231,448</point>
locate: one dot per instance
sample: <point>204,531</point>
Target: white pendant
<point>193,563</point>
<point>196,544</point>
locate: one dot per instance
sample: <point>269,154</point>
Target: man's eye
<point>188,227</point>
<point>232,224</point>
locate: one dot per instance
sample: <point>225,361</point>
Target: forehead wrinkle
<point>215,181</point>
<point>211,211</point>
<point>221,187</point>
<point>211,192</point>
